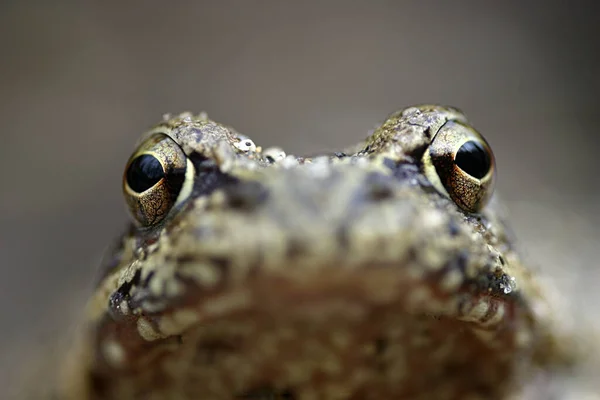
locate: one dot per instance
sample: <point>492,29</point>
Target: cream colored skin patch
<point>147,331</point>
<point>350,275</point>
<point>113,352</point>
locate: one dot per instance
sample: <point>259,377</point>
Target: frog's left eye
<point>157,177</point>
<point>461,165</point>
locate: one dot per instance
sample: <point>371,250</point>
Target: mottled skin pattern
<point>344,276</point>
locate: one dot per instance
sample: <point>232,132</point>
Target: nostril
<point>245,196</point>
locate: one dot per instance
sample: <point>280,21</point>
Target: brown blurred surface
<point>81,81</point>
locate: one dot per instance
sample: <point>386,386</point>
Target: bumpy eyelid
<point>161,130</point>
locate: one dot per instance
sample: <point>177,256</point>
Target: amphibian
<point>385,271</point>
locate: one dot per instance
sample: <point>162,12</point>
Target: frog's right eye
<point>158,176</point>
<point>460,164</point>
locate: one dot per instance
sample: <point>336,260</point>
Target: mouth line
<point>315,295</point>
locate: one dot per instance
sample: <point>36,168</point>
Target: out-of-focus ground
<point>81,81</point>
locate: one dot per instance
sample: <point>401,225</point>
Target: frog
<point>387,270</point>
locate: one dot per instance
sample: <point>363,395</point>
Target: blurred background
<point>80,81</point>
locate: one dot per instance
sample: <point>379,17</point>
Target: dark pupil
<point>473,159</point>
<point>144,172</point>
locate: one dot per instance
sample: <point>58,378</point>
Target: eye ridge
<point>144,172</point>
<point>473,159</point>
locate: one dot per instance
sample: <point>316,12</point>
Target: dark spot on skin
<point>267,393</point>
<point>502,260</point>
<point>184,259</point>
<point>339,154</point>
<point>477,219</point>
<point>295,248</point>
<point>486,391</point>
<point>426,185</point>
<point>144,298</point>
<point>99,384</point>
<point>270,159</point>
<point>341,235</point>
<point>454,368</point>
<point>209,351</point>
<point>198,135</point>
<point>126,287</point>
<point>428,132</point>
<point>389,163</point>
<point>175,179</point>
<point>381,345</point>
<point>208,176</point>
<point>453,227</point>
<point>146,280</point>
<point>245,196</point>
<point>378,187</point>
<point>223,264</point>
<point>405,171</point>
